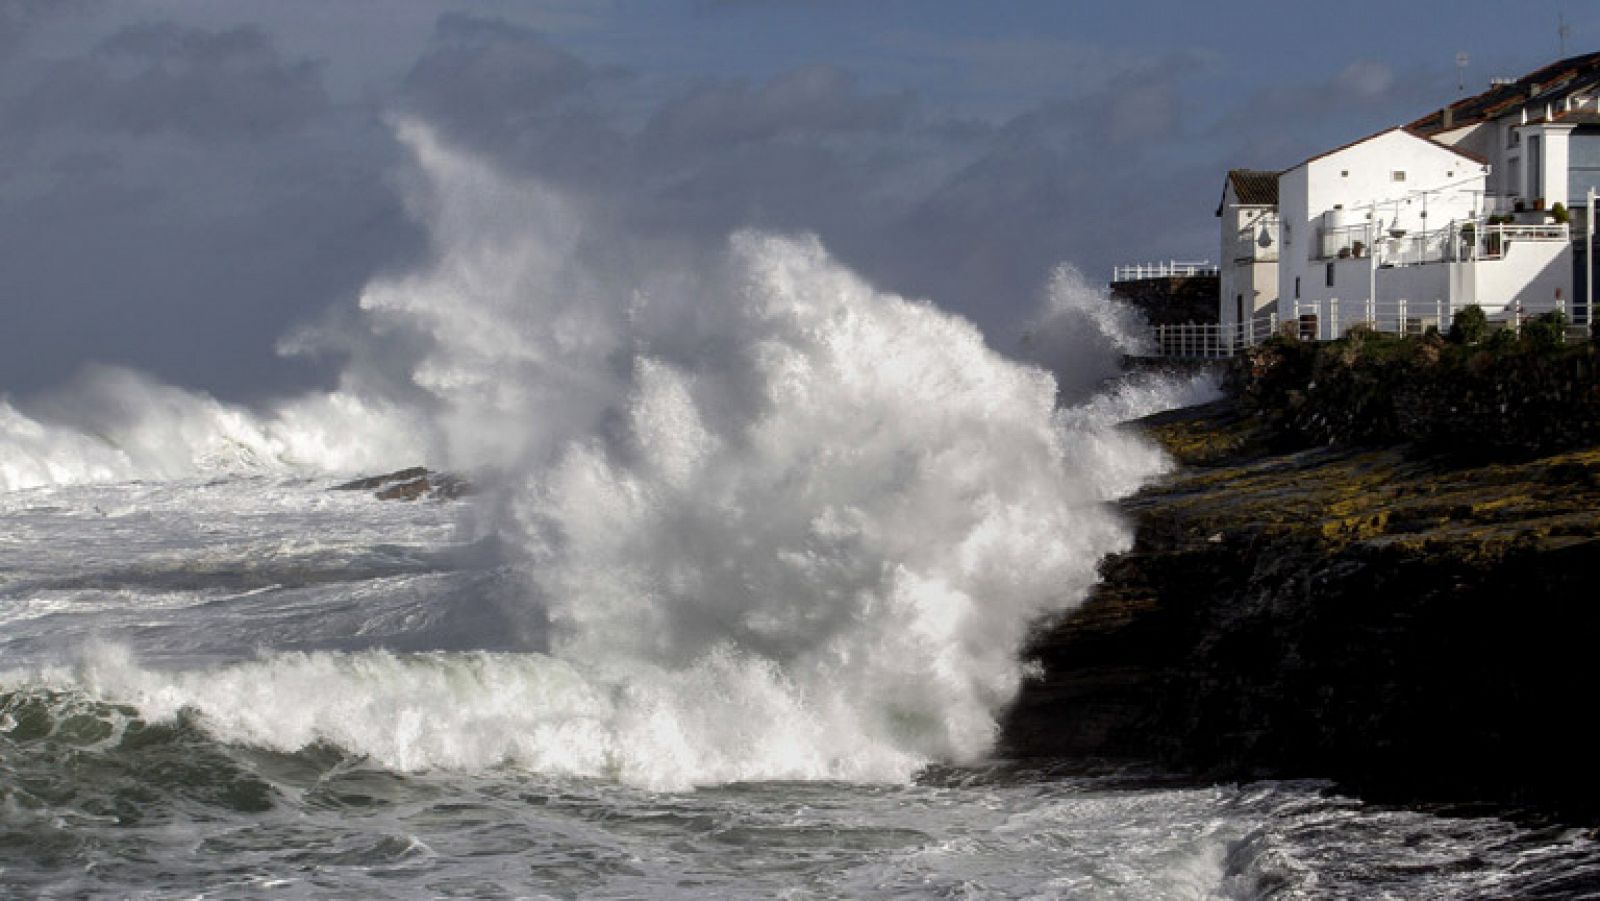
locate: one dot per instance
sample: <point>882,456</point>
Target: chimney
<point>1448,118</point>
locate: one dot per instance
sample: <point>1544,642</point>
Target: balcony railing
<point>1169,269</point>
<point>1196,340</point>
<point>1457,242</point>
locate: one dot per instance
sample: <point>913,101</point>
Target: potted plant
<point>1560,213</point>
<point>1358,249</point>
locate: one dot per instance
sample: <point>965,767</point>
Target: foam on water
<point>781,524</point>
<point>117,425</point>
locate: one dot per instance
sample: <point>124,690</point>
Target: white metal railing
<point>1492,240</point>
<point>1456,242</point>
<point>1169,269</point>
<point>1330,319</point>
<point>1344,241</point>
<point>1210,340</point>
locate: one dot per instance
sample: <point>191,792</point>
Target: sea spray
<point>782,525</point>
<point>112,424</point>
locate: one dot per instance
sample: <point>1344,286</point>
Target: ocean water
<point>252,687</point>
<point>735,610</point>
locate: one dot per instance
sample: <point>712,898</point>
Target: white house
<point>1402,228</point>
<point>1391,231</point>
<point>1540,134</point>
<point>1248,273</point>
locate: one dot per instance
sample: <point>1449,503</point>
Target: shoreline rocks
<point>1414,628</point>
<point>410,484</point>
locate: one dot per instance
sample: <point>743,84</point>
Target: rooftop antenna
<point>1461,72</point>
<point>1562,30</point>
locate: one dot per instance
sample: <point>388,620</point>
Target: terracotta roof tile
<point>1253,187</point>
<point>1544,85</point>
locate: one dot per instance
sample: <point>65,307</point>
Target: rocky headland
<point>1378,563</point>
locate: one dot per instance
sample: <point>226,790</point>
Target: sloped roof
<point>1253,187</point>
<point>1545,85</point>
<point>1403,129</point>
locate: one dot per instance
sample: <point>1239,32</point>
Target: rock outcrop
<point>1411,626</point>
<point>410,484</point>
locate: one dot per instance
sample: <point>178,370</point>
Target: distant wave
<point>116,425</point>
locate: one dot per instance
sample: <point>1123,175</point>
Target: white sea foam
<point>781,524</point>
<point>113,425</point>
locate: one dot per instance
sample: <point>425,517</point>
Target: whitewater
<point>735,608</point>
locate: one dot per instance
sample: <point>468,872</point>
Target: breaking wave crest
<point>117,425</point>
<point>780,524</point>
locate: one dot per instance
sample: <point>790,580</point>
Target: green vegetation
<point>1469,325</point>
<point>1495,394</point>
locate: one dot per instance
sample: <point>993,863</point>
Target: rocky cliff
<point>1415,624</point>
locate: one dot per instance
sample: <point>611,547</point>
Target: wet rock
<point>410,484</point>
<point>1413,627</point>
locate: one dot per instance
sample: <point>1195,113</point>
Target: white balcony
<point>1457,242</point>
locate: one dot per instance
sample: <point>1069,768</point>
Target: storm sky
<point>185,182</point>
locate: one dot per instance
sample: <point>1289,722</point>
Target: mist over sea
<point>734,610</point>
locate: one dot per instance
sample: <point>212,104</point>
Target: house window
<point>1397,175</point>
<point>1297,287</point>
<point>1344,173</point>
<point>1330,275</point>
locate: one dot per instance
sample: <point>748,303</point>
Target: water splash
<point>782,524</point>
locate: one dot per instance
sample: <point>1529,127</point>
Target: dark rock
<point>1172,300</point>
<point>411,484</point>
<point>1411,627</point>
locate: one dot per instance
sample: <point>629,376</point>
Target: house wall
<point>1530,271</point>
<point>1552,169</point>
<point>1425,290</point>
<point>1255,281</point>
<point>1360,180</point>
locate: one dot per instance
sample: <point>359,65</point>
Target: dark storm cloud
<point>163,78</point>
<point>176,198</point>
<point>1283,122</point>
<point>972,214</point>
<point>19,17</point>
<point>810,102</point>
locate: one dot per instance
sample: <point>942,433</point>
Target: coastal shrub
<point>1468,325</point>
<point>1505,397</point>
<point>1545,331</point>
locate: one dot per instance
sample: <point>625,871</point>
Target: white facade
<point>1390,231</point>
<point>1529,150</point>
<point>1248,276</point>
